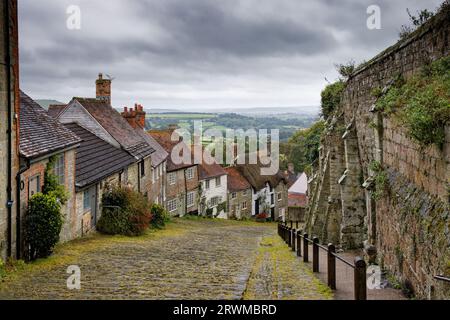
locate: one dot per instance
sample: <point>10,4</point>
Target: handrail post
<point>293,240</point>
<point>315,254</point>
<point>286,237</point>
<point>296,224</point>
<point>360,279</point>
<point>291,224</point>
<point>331,268</point>
<point>299,243</point>
<point>305,248</point>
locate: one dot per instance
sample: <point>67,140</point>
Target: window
<point>172,178</point>
<point>244,205</point>
<point>34,186</point>
<point>207,184</point>
<point>172,205</point>
<point>58,168</point>
<point>190,173</point>
<point>86,200</point>
<point>215,201</point>
<point>233,195</point>
<point>218,182</point>
<point>142,165</point>
<point>272,199</point>
<point>280,196</point>
<point>190,199</point>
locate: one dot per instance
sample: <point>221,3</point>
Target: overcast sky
<point>200,53</point>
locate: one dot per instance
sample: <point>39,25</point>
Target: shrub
<point>43,224</point>
<point>124,212</point>
<point>331,98</point>
<point>160,216</point>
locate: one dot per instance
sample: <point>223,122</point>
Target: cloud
<point>200,53</point>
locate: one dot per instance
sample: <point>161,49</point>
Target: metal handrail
<point>442,278</point>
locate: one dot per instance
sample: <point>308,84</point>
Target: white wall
<point>256,194</point>
<point>215,191</point>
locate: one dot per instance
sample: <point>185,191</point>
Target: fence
<point>299,241</point>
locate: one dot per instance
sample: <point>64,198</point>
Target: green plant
<point>422,103</point>
<point>331,98</point>
<point>2,269</point>
<point>160,216</point>
<point>51,183</point>
<point>222,207</point>
<point>43,224</point>
<point>380,179</point>
<point>346,69</point>
<point>125,212</point>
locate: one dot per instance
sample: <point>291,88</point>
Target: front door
<point>93,195</point>
<point>256,207</point>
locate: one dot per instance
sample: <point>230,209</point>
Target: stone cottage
<point>99,165</point>
<point>298,199</point>
<point>213,190</point>
<point>43,137</point>
<point>182,184</point>
<point>269,193</point>
<point>239,195</point>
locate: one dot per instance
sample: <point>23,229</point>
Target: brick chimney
<point>135,117</point>
<point>103,89</point>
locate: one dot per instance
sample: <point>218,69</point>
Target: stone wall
<point>409,224</point>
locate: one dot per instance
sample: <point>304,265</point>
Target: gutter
<point>10,201</point>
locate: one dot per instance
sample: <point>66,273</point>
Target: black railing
<point>442,278</point>
<point>299,242</point>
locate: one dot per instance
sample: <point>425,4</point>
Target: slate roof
<point>41,134</point>
<point>111,120</point>
<point>236,181</point>
<point>96,159</point>
<point>54,110</point>
<point>160,154</point>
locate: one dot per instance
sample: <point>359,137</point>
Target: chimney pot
<point>125,109</point>
<point>100,76</point>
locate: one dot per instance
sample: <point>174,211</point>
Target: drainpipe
<point>10,201</point>
<point>18,213</point>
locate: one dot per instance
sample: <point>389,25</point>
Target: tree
<point>422,17</point>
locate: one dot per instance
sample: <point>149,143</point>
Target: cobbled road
<point>190,259</point>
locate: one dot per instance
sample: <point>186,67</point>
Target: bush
<point>124,212</point>
<point>331,98</point>
<point>43,224</point>
<point>159,216</point>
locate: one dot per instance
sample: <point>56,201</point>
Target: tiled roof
<point>209,171</point>
<point>41,134</point>
<point>160,154</point>
<point>54,110</point>
<point>96,159</point>
<point>163,137</point>
<point>297,200</point>
<point>117,127</point>
<point>236,181</point>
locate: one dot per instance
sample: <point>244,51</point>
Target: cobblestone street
<point>191,259</point>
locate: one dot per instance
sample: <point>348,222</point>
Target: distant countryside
<point>287,122</point>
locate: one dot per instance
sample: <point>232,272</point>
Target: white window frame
<point>172,205</point>
<point>207,184</point>
<point>244,205</point>
<point>59,168</point>
<point>172,178</point>
<point>220,182</point>
<point>190,199</point>
<point>190,173</point>
<point>280,196</point>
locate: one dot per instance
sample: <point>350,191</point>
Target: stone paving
<point>190,259</point>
